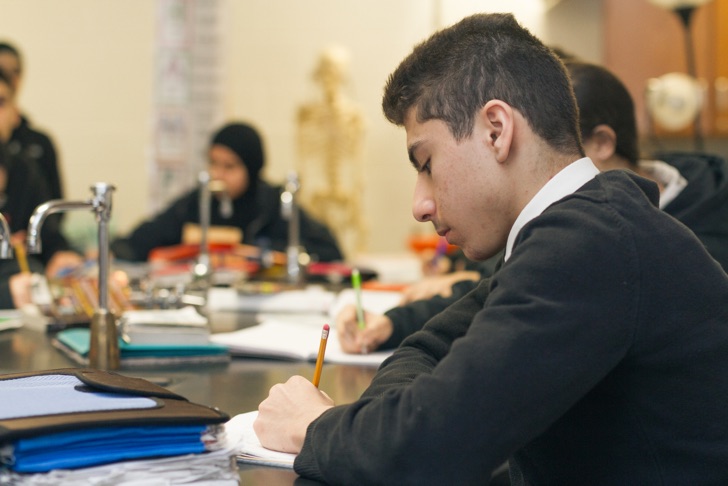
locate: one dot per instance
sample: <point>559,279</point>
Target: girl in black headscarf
<point>248,205</point>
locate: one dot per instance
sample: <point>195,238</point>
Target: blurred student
<point>693,189</point>
<point>599,354</point>
<point>22,189</point>
<point>26,141</point>
<point>249,205</point>
<point>693,186</point>
<point>15,278</point>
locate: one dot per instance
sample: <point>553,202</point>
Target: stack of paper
<point>164,326</point>
<point>310,300</point>
<point>209,469</point>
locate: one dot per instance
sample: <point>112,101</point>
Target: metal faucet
<point>6,248</point>
<point>202,271</point>
<point>104,350</point>
<point>290,212</point>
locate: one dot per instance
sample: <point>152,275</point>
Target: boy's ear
<point>497,122</point>
<point>604,141</point>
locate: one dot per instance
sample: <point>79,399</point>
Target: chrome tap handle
<point>101,203</point>
<point>203,268</point>
<point>40,214</point>
<point>290,211</point>
<point>6,248</point>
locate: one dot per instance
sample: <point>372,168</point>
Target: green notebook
<point>75,343</point>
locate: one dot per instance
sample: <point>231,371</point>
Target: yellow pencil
<point>320,358</point>
<point>22,257</point>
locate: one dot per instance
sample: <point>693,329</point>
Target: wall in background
<point>90,78</point>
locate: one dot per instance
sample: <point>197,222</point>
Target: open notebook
<point>291,340</point>
<point>296,336</point>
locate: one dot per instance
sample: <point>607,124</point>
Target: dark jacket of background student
<point>236,159</point>
<point>702,205</point>
<point>36,147</point>
<point>26,190</point>
<point>257,213</point>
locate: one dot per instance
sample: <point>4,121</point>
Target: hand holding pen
<point>285,415</point>
<point>353,338</point>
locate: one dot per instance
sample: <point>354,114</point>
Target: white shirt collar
<point>566,182</point>
<point>672,181</point>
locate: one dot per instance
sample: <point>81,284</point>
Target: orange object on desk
<point>384,286</point>
<point>222,255</point>
<point>421,243</point>
<point>183,251</point>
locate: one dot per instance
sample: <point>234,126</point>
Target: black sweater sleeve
<point>419,354</point>
<point>407,319</point>
<point>162,230</point>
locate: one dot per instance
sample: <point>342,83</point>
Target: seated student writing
<point>599,354</point>
<point>252,206</point>
<point>15,276</point>
<point>22,189</point>
<point>693,189</point>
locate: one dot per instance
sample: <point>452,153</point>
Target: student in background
<point>22,189</point>
<point>15,283</point>
<point>599,354</point>
<point>26,141</point>
<point>693,189</point>
<point>252,207</point>
<point>693,186</point>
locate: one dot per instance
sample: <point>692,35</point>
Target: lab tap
<point>290,212</point>
<point>6,248</point>
<point>202,271</point>
<point>104,350</point>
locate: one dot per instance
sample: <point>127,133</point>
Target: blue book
<point>85,448</point>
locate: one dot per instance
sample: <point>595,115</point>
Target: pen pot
<point>104,347</point>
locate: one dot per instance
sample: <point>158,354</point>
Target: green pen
<point>356,283</point>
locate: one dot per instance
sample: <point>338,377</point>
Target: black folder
<point>92,404</point>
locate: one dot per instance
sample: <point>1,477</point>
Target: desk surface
<point>236,387</point>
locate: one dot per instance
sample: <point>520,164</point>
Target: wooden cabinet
<point>643,41</point>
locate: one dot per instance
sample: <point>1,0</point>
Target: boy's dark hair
<point>455,72</point>
<point>7,47</point>
<point>604,100</point>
